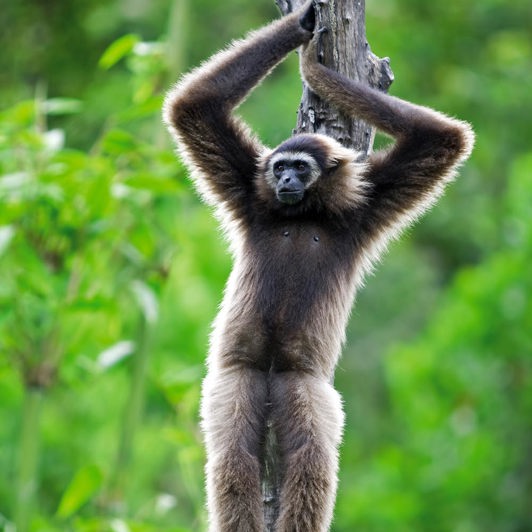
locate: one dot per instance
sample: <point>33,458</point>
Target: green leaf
<point>21,114</point>
<point>141,110</point>
<point>117,50</point>
<point>6,234</point>
<point>118,142</point>
<point>84,484</point>
<point>62,106</point>
<point>155,184</point>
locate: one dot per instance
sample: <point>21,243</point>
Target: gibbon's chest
<point>294,264</point>
<point>294,242</point>
<point>297,249</point>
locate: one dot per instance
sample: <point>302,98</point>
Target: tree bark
<point>344,48</point>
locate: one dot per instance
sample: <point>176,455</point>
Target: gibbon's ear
<point>338,155</point>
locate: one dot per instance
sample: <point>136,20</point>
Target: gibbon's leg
<point>308,420</point>
<point>233,411</point>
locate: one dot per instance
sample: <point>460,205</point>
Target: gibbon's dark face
<point>294,167</point>
<point>294,173</point>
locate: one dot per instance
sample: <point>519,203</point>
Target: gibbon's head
<point>310,171</point>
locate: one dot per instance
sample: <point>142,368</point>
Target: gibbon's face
<point>294,167</point>
<point>310,172</point>
<point>294,172</point>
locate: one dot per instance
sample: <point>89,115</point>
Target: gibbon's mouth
<point>290,198</point>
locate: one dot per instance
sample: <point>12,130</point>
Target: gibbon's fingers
<point>310,52</point>
<point>308,19</point>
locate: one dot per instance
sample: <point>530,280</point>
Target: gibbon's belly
<point>296,272</point>
<point>310,266</point>
<point>288,301</point>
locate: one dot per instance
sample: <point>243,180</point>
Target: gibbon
<point>305,222</point>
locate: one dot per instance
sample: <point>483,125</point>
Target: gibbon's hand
<point>308,19</point>
<point>309,51</point>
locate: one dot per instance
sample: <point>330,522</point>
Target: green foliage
<point>86,482</point>
<point>88,243</point>
<point>459,398</point>
<point>111,272</point>
<point>117,50</point>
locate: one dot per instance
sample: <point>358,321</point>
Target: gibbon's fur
<point>297,262</point>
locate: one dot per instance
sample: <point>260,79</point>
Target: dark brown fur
<point>280,330</point>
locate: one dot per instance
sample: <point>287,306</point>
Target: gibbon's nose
<point>287,177</point>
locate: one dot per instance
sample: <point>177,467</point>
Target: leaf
<point>62,106</point>
<point>118,142</point>
<point>115,354</point>
<point>6,234</point>
<point>117,50</point>
<point>147,300</point>
<point>141,110</point>
<point>155,184</point>
<point>22,114</point>
<point>84,484</point>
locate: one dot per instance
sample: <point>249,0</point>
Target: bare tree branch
<point>343,47</point>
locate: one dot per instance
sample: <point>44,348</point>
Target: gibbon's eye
<point>301,166</point>
<point>278,169</point>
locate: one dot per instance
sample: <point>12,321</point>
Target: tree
<point>343,47</point>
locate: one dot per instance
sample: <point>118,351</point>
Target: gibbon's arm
<point>198,111</point>
<point>406,178</point>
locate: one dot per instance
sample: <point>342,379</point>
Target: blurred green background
<point>111,272</point>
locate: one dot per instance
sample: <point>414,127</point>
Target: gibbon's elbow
<point>178,108</point>
<point>457,140</point>
<point>465,139</point>
<point>446,140</point>
<point>187,106</point>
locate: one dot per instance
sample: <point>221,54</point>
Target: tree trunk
<point>344,48</point>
